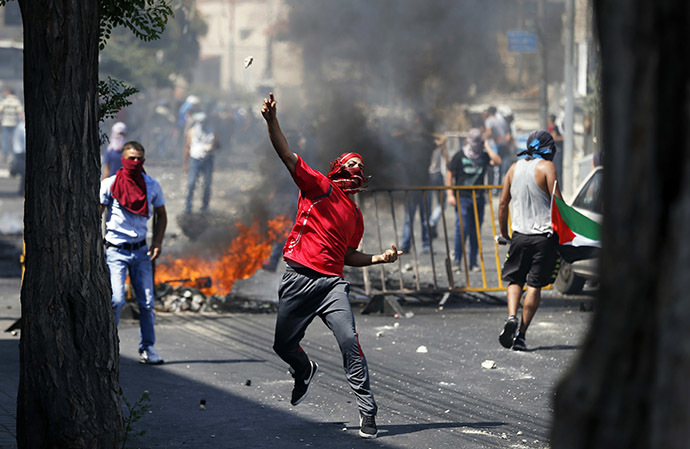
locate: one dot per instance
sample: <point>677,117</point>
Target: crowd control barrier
<point>432,271</point>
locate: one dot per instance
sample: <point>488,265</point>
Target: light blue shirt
<point>123,226</point>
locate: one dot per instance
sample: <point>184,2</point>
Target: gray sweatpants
<point>305,294</point>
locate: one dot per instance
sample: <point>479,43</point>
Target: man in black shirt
<point>468,168</point>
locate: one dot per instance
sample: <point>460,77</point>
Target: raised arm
<point>268,110</point>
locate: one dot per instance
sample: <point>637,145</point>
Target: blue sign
<point>520,41</point>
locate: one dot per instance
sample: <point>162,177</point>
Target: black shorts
<point>532,259</point>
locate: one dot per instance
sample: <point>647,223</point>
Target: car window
<point>590,197</point>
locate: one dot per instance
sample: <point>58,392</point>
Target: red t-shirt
<point>328,222</point>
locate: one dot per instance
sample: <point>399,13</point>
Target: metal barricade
<point>432,271</point>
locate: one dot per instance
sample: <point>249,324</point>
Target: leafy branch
<point>134,413</point>
<point>113,96</point>
<point>146,19</point>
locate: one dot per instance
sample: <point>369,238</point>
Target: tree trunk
<point>69,364</point>
<point>630,388</point>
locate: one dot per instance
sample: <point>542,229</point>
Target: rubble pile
<point>190,299</point>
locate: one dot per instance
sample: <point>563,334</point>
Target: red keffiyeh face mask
<point>129,187</point>
<point>350,179</point>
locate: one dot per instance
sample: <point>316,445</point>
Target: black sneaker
<point>367,427</point>
<point>302,384</point>
<point>508,335</point>
<point>519,343</point>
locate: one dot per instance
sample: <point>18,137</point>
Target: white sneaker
<point>150,356</point>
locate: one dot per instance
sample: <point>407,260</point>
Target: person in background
<point>18,166</point>
<point>112,161</point>
<point>555,130</point>
<point>198,158</point>
<point>469,168</point>
<point>184,113</point>
<point>532,255</point>
<point>437,177</point>
<point>11,114</point>
<point>324,238</point>
<point>416,145</point>
<point>131,198</point>
<point>496,128</point>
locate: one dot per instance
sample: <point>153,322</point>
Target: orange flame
<point>240,260</point>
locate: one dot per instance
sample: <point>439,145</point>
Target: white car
<point>589,202</point>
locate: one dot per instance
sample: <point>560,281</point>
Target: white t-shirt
<point>123,226</point>
<point>202,140</point>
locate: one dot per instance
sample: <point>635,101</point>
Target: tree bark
<point>629,388</point>
<point>69,364</point>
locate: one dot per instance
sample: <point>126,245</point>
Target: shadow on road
<point>212,362</point>
<point>400,429</point>
<point>554,348</point>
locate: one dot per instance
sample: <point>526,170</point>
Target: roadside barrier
<point>435,270</point>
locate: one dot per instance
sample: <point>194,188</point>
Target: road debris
<point>422,350</point>
<point>489,364</point>
<point>248,61</point>
<point>191,299</point>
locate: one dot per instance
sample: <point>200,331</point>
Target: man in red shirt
<point>324,238</point>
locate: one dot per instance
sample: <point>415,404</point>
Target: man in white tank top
<point>532,255</point>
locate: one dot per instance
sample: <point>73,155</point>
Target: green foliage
<point>154,64</point>
<point>135,412</point>
<point>113,95</point>
<point>146,19</point>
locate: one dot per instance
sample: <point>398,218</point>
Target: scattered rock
<point>489,364</point>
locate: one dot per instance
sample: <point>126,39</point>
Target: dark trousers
<point>305,294</point>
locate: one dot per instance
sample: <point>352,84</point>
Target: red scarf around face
<point>129,188</point>
<point>349,179</point>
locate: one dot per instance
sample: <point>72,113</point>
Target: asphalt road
<point>439,398</point>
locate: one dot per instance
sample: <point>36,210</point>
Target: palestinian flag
<point>579,237</point>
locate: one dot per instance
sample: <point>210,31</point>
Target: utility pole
<point>521,26</point>
<point>569,135</point>
<point>543,91</point>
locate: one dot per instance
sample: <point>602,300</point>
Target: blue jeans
<point>468,227</point>
<point>414,202</point>
<point>141,276</point>
<point>7,136</point>
<point>197,167</point>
